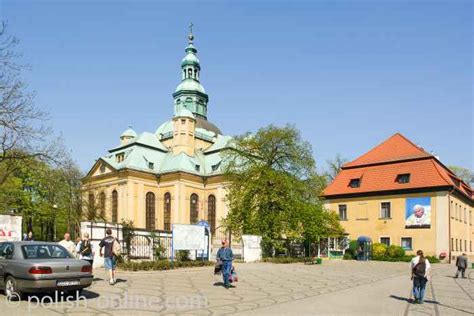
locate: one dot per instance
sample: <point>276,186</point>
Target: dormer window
<point>120,157</point>
<point>197,167</point>
<point>151,165</point>
<point>354,183</point>
<point>403,178</point>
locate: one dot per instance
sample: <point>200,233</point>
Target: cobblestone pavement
<point>334,288</point>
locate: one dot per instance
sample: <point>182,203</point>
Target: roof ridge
<point>368,157</point>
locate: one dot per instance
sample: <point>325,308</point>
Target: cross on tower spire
<point>191,36</point>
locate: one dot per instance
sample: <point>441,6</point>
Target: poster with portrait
<point>10,228</point>
<point>418,212</point>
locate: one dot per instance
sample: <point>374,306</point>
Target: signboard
<point>251,241</point>
<point>188,237</point>
<point>10,228</point>
<point>418,212</point>
<point>251,248</point>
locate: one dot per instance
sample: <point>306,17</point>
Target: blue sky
<point>348,74</point>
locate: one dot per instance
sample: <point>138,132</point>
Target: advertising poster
<point>10,228</point>
<point>418,212</point>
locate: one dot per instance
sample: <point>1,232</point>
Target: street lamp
<point>55,207</point>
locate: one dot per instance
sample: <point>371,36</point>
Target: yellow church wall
<point>133,186</point>
<point>363,219</point>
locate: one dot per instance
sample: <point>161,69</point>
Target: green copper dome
<point>190,85</point>
<point>129,132</point>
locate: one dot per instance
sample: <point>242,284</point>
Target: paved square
<point>334,288</point>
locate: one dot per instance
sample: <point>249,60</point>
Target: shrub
<point>433,259</point>
<point>348,255</point>
<point>182,255</point>
<point>394,251</point>
<point>161,265</point>
<point>379,251</point>
<point>286,260</point>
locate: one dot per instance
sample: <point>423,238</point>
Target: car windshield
<point>45,252</point>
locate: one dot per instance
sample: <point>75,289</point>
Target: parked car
<point>38,267</point>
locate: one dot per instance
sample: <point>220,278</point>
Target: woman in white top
<point>420,268</point>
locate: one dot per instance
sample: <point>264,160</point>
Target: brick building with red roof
<point>399,194</point>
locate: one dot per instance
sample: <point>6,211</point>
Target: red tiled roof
<point>397,147</point>
<point>378,170</point>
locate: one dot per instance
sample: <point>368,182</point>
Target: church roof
<point>146,152</point>
<point>190,85</point>
<point>155,161</point>
<point>129,132</point>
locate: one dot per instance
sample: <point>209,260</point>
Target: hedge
<point>286,260</point>
<point>161,265</point>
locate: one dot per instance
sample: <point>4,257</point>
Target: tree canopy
<point>274,187</point>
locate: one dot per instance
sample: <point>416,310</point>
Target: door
<point>6,254</point>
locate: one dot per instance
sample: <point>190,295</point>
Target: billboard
<point>418,212</point>
<point>188,237</point>
<point>10,228</point>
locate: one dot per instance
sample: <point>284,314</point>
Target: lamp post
<point>55,207</point>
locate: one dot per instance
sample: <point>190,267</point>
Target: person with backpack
<point>420,268</point>
<point>110,249</point>
<point>85,250</point>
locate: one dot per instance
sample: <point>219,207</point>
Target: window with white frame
<point>343,212</point>
<point>385,210</point>
<point>407,243</point>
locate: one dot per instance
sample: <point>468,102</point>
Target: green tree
<point>464,174</point>
<point>273,187</point>
<point>334,167</point>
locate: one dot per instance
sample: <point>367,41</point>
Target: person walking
<point>109,249</point>
<point>225,255</point>
<point>85,250</point>
<point>29,237</point>
<point>68,244</point>
<point>420,269</point>
<point>461,264</point>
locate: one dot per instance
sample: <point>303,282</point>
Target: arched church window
<point>194,211</point>
<point>150,211</point>
<point>114,206</point>
<point>102,205</point>
<point>91,206</point>
<point>211,212</point>
<point>167,211</point>
<point>190,72</point>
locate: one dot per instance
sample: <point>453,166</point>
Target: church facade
<point>171,176</point>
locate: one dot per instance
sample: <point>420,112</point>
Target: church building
<point>173,175</point>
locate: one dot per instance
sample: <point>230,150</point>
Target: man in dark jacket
<point>225,255</point>
<point>461,263</point>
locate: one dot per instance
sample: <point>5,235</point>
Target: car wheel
<point>11,290</point>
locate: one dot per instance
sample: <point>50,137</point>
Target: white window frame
<point>401,243</point>
<point>389,239</point>
<point>339,212</point>
<point>380,210</point>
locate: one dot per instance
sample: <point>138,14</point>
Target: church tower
<point>190,94</point>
